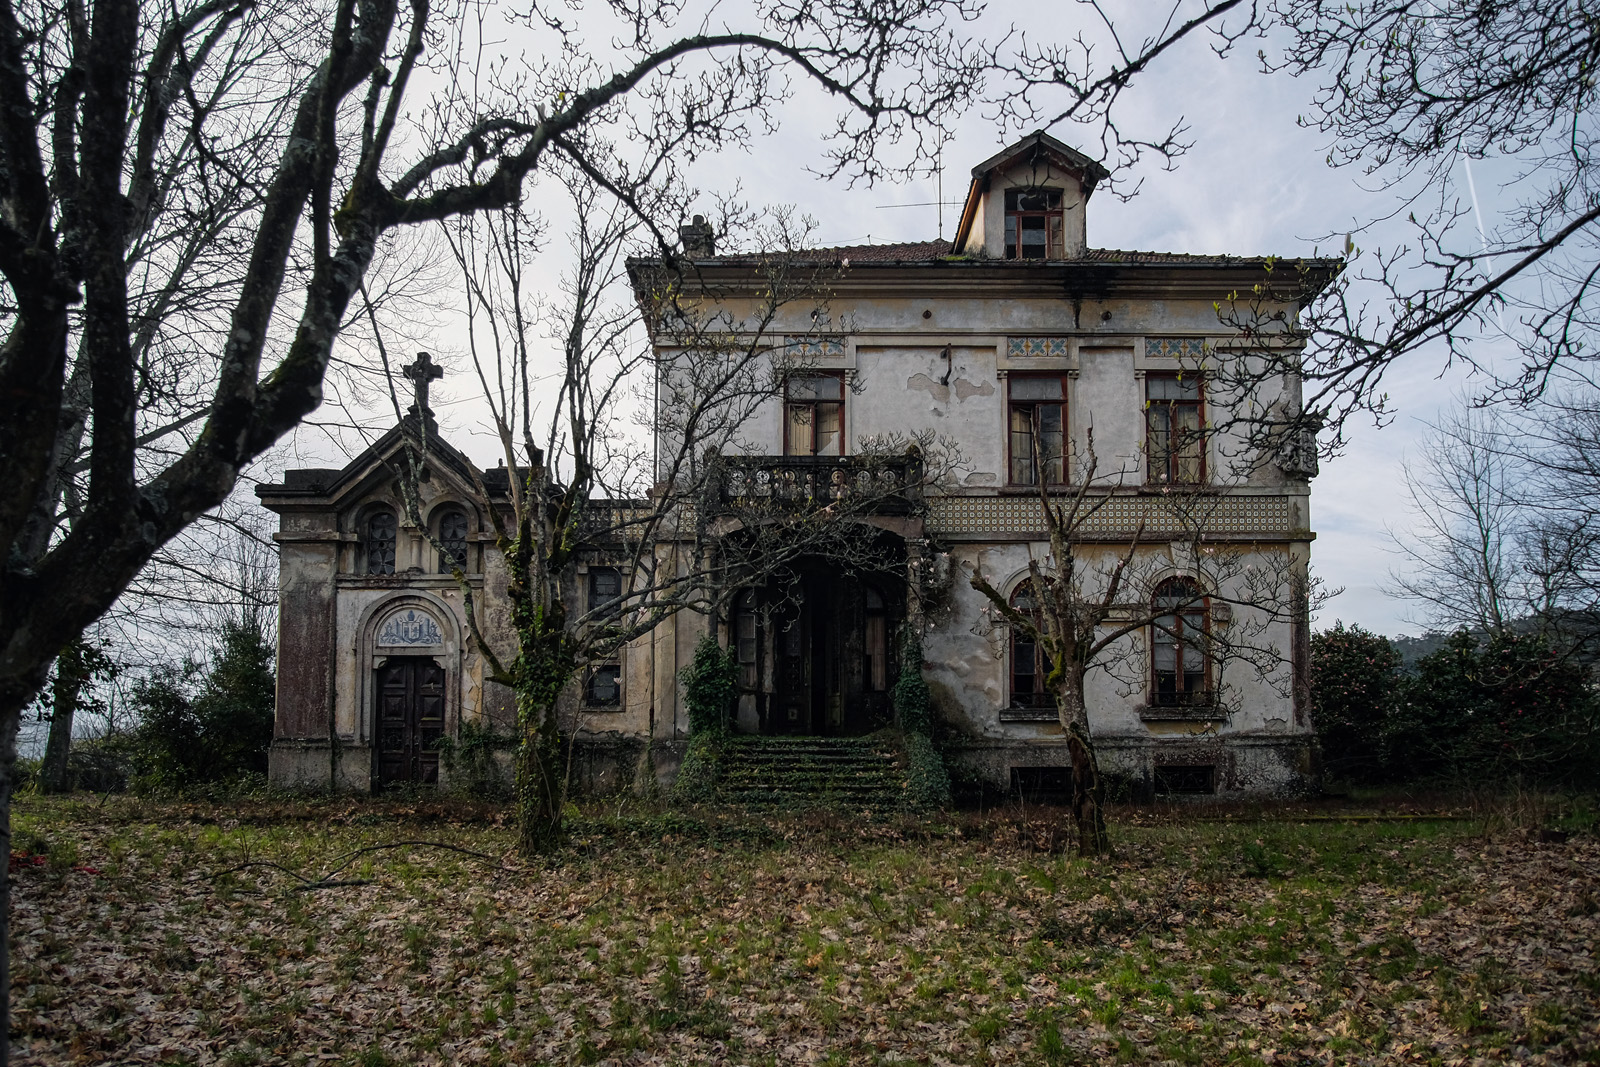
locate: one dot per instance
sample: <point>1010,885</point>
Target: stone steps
<point>813,772</point>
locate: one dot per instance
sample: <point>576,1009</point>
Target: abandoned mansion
<point>940,397</point>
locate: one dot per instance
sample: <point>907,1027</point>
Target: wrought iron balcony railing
<point>882,485</point>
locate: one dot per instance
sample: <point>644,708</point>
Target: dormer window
<point>1033,224</point>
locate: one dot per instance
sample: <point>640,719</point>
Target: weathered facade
<point>1018,345</point>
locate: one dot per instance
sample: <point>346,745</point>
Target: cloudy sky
<point>1255,182</point>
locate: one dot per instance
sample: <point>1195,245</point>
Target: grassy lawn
<point>179,933</point>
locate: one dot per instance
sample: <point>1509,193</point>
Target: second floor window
<point>1033,224</point>
<point>379,542</point>
<point>1038,437</point>
<point>1174,423</point>
<point>453,536</point>
<point>813,415</point>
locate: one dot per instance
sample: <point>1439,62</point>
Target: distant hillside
<point>1412,649</point>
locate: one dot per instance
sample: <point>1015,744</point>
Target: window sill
<point>1059,489</point>
<point>1016,714</point>
<point>1181,713</point>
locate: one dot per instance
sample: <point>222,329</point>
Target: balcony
<point>867,485</point>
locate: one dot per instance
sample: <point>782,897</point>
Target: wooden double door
<point>410,720</point>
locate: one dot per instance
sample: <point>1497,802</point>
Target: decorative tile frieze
<point>1190,348</point>
<point>814,347</point>
<point>1160,515</point>
<point>1037,347</point>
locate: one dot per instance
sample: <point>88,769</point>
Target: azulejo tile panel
<point>814,347</point>
<point>1043,347</point>
<point>1191,348</point>
<point>1236,515</point>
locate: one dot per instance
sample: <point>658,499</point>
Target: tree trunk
<point>1088,789</point>
<point>542,671</point>
<point>54,773</point>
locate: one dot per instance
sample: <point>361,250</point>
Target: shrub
<point>194,732</point>
<point>710,686</point>
<point>927,780</point>
<point>1504,707</point>
<point>1355,675</point>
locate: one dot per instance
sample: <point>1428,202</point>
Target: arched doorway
<point>414,656</point>
<point>816,650</point>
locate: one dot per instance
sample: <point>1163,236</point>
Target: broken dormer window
<point>1033,224</point>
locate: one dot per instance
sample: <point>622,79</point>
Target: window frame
<point>1034,431</point>
<point>1195,603</point>
<point>790,403</point>
<point>464,557</point>
<point>1041,701</point>
<point>595,603</point>
<point>1055,236</point>
<point>614,703</point>
<point>367,541</point>
<point>1169,471</point>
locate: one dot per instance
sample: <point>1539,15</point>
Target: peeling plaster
<point>965,388</point>
<point>981,478</point>
<point>941,393</point>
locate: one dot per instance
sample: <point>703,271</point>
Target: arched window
<point>1028,668</point>
<point>379,542</point>
<point>1178,638</point>
<point>453,535</point>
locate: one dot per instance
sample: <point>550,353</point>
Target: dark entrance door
<point>410,720</point>
<point>832,638</point>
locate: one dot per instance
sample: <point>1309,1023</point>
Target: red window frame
<point>1175,415</point>
<point>1022,208</point>
<point>1020,468</point>
<point>1177,637</point>
<point>814,402</point>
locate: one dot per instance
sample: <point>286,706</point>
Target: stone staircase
<point>842,773</point>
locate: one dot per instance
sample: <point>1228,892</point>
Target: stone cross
<point>423,371</point>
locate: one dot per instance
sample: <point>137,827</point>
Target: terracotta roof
<point>935,251</point>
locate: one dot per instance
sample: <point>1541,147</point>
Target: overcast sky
<point>1254,183</point>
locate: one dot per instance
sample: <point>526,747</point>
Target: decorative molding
<point>1121,515</point>
<point>813,347</point>
<point>1038,347</point>
<point>1193,348</point>
<point>409,628</point>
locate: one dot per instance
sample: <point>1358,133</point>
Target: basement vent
<point>1042,785</point>
<point>1186,779</point>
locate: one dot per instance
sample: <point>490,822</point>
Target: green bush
<point>710,687</point>
<point>927,780</point>
<point>472,764</point>
<point>1355,676</point>
<point>193,731</point>
<point>1496,709</point>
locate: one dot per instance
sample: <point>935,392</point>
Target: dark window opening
<point>1028,666</point>
<point>1174,438</point>
<point>1186,779</point>
<point>604,687</point>
<point>813,415</point>
<point>1178,640</point>
<point>453,536</point>
<point>1038,437</point>
<point>605,589</point>
<point>1033,224</point>
<point>380,542</point>
<point>1042,785</point>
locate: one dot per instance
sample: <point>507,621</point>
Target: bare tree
<point>1507,538</point>
<point>277,145</point>
<point>1087,601</point>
